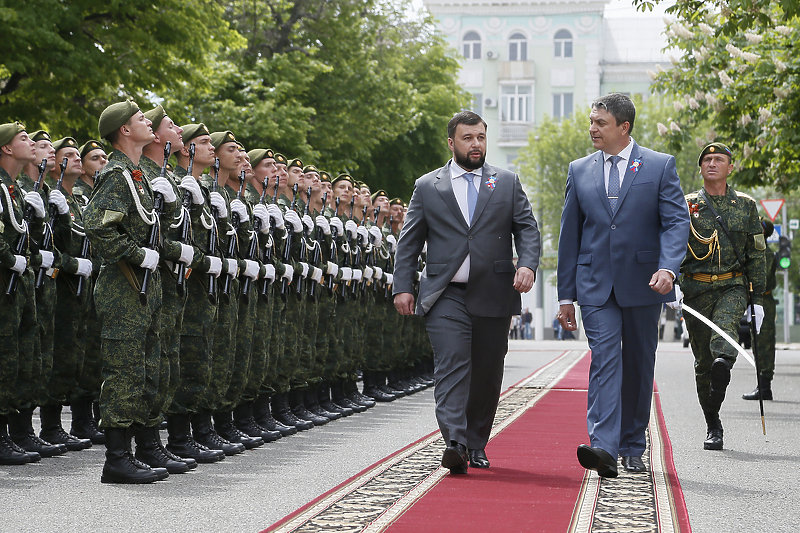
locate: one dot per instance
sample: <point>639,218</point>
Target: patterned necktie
<point>472,194</point>
<point>613,182</point>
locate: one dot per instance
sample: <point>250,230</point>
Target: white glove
<point>392,242</point>
<point>389,279</point>
<point>47,258</point>
<point>150,261</point>
<point>20,264</point>
<point>275,212</point>
<point>294,219</point>
<point>187,254</point>
<point>678,298</point>
<point>218,202</point>
<point>304,266</point>
<point>356,274</point>
<point>238,207</point>
<point>368,272</point>
<point>260,212</point>
<point>233,267</point>
<point>289,273</point>
<point>347,273</point>
<point>363,233</point>
<point>323,223</point>
<point>332,269</point>
<point>270,272</point>
<point>251,270</point>
<point>337,223</point>
<point>35,201</point>
<point>316,275</point>
<point>57,199</point>
<point>351,228</point>
<point>308,224</point>
<point>378,272</point>
<point>377,235</point>
<point>188,183</point>
<point>214,265</point>
<point>84,267</point>
<point>759,316</point>
<point>161,185</point>
<point>1,208</point>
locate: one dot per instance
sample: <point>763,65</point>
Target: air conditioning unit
<point>490,102</point>
<point>492,55</point>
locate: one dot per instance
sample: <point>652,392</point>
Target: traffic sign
<point>772,207</point>
<point>775,234</point>
<point>794,223</point>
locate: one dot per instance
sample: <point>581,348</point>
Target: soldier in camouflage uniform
<point>713,280</point>
<point>766,337</point>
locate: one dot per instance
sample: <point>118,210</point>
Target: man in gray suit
<point>467,212</point>
<point>624,231</point>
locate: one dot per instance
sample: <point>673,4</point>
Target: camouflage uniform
<point>766,337</point>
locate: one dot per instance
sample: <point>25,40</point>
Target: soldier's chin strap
<point>749,289</point>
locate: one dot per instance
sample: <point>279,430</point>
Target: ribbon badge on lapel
<point>637,163</point>
<point>491,182</point>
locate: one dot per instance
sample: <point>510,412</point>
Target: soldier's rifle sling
<point>152,241</point>
<point>230,251</point>
<point>287,251</point>
<point>186,226</point>
<point>317,248</point>
<point>22,241</point>
<point>212,237</point>
<point>47,241</point>
<point>269,251</point>
<point>334,246</point>
<point>303,249</point>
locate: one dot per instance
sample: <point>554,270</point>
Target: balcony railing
<point>515,131</point>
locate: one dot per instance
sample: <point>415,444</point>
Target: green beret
<point>89,146</point>
<point>295,163</point>
<point>714,148</point>
<point>280,159</point>
<point>241,146</point>
<point>218,138</point>
<point>310,168</point>
<point>324,176</point>
<point>40,135</point>
<point>66,142</point>
<point>115,116</point>
<point>379,192</point>
<point>361,184</point>
<point>768,226</point>
<point>192,131</point>
<point>395,201</point>
<point>156,115</point>
<point>9,131</point>
<point>259,154</point>
<point>347,177</point>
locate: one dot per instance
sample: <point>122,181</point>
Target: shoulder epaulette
<point>691,196</point>
<point>743,195</point>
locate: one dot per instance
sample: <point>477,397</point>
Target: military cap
<point>9,131</point>
<point>241,146</point>
<point>40,135</point>
<point>259,154</point>
<point>218,138</point>
<point>89,146</point>
<point>310,168</point>
<point>379,192</point>
<point>115,116</point>
<point>192,131</point>
<point>295,163</point>
<point>66,142</point>
<point>324,176</point>
<point>768,226</point>
<point>343,176</point>
<point>156,115</point>
<point>280,159</point>
<point>396,201</point>
<point>714,148</point>
<point>362,184</point>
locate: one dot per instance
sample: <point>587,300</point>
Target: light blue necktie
<point>613,182</point>
<point>472,194</point>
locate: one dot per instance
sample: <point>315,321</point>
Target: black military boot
<point>84,425</point>
<point>53,432</point>
<point>20,430</point>
<point>245,422</point>
<point>372,389</point>
<point>204,434</point>
<point>720,377</point>
<point>388,389</point>
<point>262,414</point>
<point>325,398</point>
<point>223,425</point>
<point>120,466</point>
<point>284,415</point>
<point>338,397</point>
<point>181,443</point>
<point>766,390</point>
<point>297,404</point>
<point>150,451</point>
<point>10,453</point>
<point>351,391</point>
<point>311,401</point>
<point>714,436</point>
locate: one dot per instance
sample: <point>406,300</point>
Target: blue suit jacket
<point>598,252</point>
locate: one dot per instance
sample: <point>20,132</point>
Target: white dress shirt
<point>460,185</point>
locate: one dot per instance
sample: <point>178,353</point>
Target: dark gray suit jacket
<point>433,215</point>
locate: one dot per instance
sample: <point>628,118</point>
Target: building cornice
<point>513,7</point>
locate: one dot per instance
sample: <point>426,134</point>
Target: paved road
<point>749,487</point>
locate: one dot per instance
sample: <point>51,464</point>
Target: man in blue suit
<point>624,231</point>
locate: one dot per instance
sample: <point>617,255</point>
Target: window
<point>517,48</point>
<point>472,45</point>
<point>477,103</point>
<point>563,44</point>
<point>516,103</point>
<point>562,105</point>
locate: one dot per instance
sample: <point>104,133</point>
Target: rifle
<point>334,247</point>
<point>212,238</point>
<point>287,251</point>
<point>389,263</point>
<point>22,242</point>
<point>303,248</point>
<point>47,241</point>
<point>253,251</point>
<point>230,252</point>
<point>354,250</point>
<point>370,256</point>
<point>269,251</point>
<point>186,226</point>
<point>155,231</point>
<point>318,248</point>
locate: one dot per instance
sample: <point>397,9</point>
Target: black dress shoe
<point>455,458</point>
<point>597,459</point>
<point>478,459</point>
<point>633,463</point>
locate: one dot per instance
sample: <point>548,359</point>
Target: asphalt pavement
<point>750,486</point>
